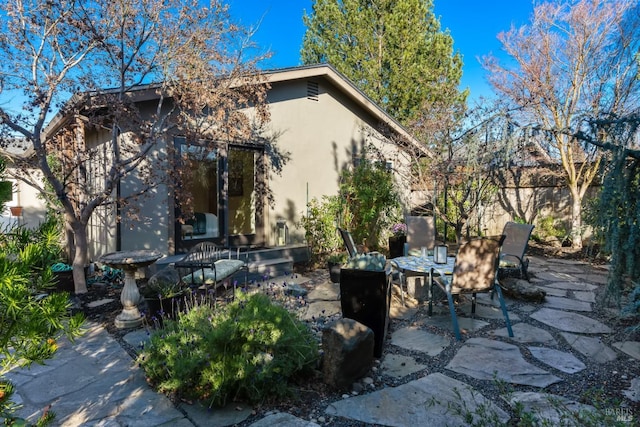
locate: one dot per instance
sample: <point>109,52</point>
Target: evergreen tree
<point>393,50</point>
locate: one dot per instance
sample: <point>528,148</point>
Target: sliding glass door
<point>222,204</point>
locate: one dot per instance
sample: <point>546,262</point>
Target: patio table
<point>420,266</point>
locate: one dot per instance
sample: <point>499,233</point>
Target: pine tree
<point>393,50</point>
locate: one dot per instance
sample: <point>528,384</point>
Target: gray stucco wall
<point>321,136</point>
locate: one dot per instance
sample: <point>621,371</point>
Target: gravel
<point>312,397</point>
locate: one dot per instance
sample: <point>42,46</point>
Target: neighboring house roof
<point>17,149</point>
<point>147,92</point>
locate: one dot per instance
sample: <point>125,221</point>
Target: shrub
<point>250,349</point>
<point>372,200</point>
<point>548,227</point>
<point>320,224</point>
<point>30,321</point>
<point>631,310</point>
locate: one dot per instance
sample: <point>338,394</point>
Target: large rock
<point>348,352</point>
<point>165,277</point>
<point>523,290</point>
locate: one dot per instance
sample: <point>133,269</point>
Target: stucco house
<point>25,207</point>
<point>319,122</point>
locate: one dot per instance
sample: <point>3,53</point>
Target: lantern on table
<point>440,254</point>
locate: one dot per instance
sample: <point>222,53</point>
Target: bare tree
<point>452,175</point>
<point>575,59</point>
<point>191,57</point>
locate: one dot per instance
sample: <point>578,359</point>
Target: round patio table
<point>420,266</point>
<point>130,262</point>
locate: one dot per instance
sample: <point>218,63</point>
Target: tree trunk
<point>459,226</point>
<point>80,256</point>
<point>576,220</point>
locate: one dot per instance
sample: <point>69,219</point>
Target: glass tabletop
<point>418,264</point>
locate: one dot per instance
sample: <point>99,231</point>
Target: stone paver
<point>633,392</point>
<point>399,366</point>
<point>433,398</point>
<point>493,312</point>
<point>401,312</point>
<point>320,309</point>
<point>565,362</point>
<point>587,296</point>
<point>550,409</point>
<point>527,308</point>
<point>632,348</point>
<point>93,382</point>
<point>324,292</point>
<point>552,261</point>
<point>413,338</point>
<point>282,419</point>
<point>525,333</point>
<point>591,347</point>
<point>109,390</point>
<point>600,279</point>
<point>138,338</point>
<point>555,276</point>
<point>230,415</point>
<point>572,286</point>
<point>100,302</point>
<point>486,359</point>
<point>554,292</point>
<point>566,268</point>
<point>566,304</point>
<point>485,298</point>
<point>466,324</point>
<point>570,322</point>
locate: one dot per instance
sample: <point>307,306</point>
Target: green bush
<point>31,322</point>
<point>321,230</point>
<point>250,349</point>
<point>549,227</point>
<point>370,196</point>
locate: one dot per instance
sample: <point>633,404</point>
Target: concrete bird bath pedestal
<point>130,262</point>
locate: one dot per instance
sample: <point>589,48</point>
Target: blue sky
<point>474,25</point>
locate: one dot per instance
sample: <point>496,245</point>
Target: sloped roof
<point>326,71</point>
<point>346,86</point>
<point>17,148</point>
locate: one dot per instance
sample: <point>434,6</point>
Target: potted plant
<point>63,275</point>
<point>334,263</point>
<point>164,294</point>
<point>397,240</point>
<point>365,294</point>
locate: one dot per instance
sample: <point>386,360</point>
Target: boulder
<point>523,290</point>
<point>348,352</point>
<point>165,277</point>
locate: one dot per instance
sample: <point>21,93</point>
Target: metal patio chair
<point>474,271</point>
<point>512,253</point>
<point>421,232</point>
<point>210,265</point>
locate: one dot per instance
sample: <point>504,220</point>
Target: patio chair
<point>512,253</point>
<point>347,238</point>
<point>209,264</point>
<point>474,271</point>
<point>421,232</point>
<point>352,249</point>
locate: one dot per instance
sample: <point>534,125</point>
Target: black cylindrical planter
<point>396,246</point>
<point>365,296</point>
